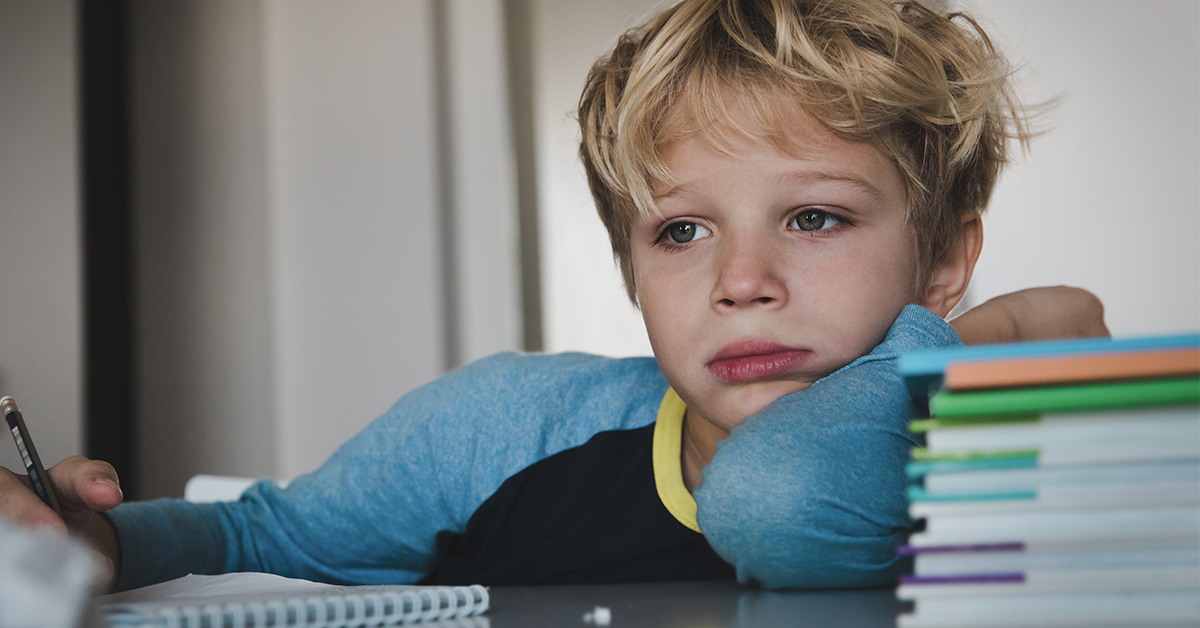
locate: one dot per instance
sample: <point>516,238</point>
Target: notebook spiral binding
<point>386,608</point>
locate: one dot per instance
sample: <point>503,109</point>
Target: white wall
<point>41,347</point>
<point>354,228</point>
<point>483,184</point>
<point>291,188</point>
<point>356,181</point>
<point>584,302</point>
<point>1107,200</point>
<point>202,280</point>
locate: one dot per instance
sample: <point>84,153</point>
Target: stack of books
<point>1059,484</point>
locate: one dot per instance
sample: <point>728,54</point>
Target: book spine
<point>1101,608</point>
<point>1014,480</point>
<point>948,564</point>
<point>1058,369</point>
<point>1065,398</point>
<point>1091,580</point>
<point>923,370</point>
<point>1101,526</point>
<point>1055,498</point>
<point>1185,447</point>
<point>953,434</point>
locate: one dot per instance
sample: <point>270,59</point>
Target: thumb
<point>86,485</point>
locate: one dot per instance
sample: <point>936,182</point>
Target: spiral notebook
<point>268,601</point>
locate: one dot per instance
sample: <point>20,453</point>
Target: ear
<point>948,281</point>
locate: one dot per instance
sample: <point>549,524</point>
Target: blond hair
<point>929,91</point>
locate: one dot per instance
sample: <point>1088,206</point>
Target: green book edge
<point>930,424</point>
<point>921,454</point>
<point>1063,398</point>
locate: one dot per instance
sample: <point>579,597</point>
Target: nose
<point>749,273</point>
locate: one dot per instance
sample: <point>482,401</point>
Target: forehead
<point>795,147</point>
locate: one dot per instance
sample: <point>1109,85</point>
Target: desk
<point>691,605</point>
<point>645,605</point>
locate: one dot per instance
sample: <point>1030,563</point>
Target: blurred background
<point>233,232</point>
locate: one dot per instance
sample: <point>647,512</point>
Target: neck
<point>699,445</point>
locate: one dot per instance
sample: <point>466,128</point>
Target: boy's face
<point>767,272</point>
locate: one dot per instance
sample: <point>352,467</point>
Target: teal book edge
<point>1066,398</point>
<point>918,494</point>
<point>922,370</point>
<point>920,469</point>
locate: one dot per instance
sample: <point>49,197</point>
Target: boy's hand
<point>1033,314</point>
<point>84,489</point>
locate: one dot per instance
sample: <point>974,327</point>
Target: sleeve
<point>369,515</point>
<point>373,512</point>
<point>810,491</point>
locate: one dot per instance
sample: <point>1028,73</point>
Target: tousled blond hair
<point>927,90</point>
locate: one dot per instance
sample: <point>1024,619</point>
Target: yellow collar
<point>668,470</point>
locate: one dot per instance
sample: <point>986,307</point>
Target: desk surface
<point>688,605</point>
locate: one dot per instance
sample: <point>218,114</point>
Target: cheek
<point>672,304</point>
<point>672,335</point>
<point>654,300</point>
<point>866,289</point>
<point>671,292</point>
<point>887,264</point>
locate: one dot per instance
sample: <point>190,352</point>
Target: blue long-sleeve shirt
<point>565,468</point>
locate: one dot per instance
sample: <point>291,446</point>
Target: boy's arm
<point>359,519</point>
<point>370,514</point>
<point>374,512</point>
<point>810,491</point>
<point>1033,314</point>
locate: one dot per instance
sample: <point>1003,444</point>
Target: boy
<point>780,185</point>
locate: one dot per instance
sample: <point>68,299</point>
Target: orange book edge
<point>1050,370</point>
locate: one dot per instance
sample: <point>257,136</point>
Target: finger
<point>99,486</point>
<point>106,569</point>
<point>83,484</point>
<point>20,504</point>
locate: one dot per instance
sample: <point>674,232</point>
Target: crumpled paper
<point>45,578</point>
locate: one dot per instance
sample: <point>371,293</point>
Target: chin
<point>761,395</point>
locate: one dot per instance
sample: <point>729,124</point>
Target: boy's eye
<point>682,232</point>
<point>813,220</point>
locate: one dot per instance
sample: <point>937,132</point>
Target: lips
<point>754,359</point>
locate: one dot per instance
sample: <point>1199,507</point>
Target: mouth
<point>753,359</point>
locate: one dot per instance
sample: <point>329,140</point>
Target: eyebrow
<point>835,176</point>
<point>680,188</point>
<point>801,177</point>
